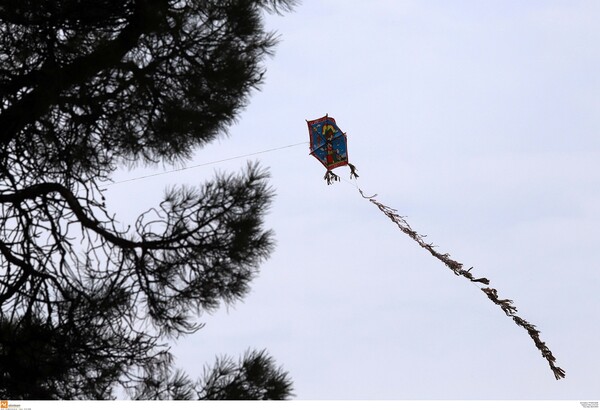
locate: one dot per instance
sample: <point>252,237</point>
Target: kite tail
<point>330,177</point>
<point>505,304</point>
<point>510,310</point>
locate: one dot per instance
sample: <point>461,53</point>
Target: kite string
<point>506,305</point>
<point>204,164</point>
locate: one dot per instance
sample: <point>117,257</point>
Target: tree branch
<point>48,82</point>
<point>46,188</point>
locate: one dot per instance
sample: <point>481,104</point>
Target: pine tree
<point>87,86</point>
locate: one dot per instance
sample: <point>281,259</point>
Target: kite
<point>329,145</point>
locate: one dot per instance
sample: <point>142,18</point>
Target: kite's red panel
<point>327,142</point>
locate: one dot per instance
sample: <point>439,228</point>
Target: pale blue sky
<point>478,120</point>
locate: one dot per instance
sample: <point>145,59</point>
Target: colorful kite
<point>329,145</point>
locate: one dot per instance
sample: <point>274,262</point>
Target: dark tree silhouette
<point>87,86</point>
<point>253,377</point>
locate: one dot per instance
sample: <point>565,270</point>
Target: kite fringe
<point>330,177</point>
<point>506,305</point>
<point>353,171</point>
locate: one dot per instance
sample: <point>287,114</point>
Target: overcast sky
<point>478,121</point>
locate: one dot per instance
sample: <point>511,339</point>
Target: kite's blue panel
<point>327,142</point>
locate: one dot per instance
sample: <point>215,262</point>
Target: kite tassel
<point>352,171</point>
<point>330,177</point>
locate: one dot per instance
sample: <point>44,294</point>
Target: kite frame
<point>312,131</point>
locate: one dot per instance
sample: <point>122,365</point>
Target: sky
<point>478,121</point>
